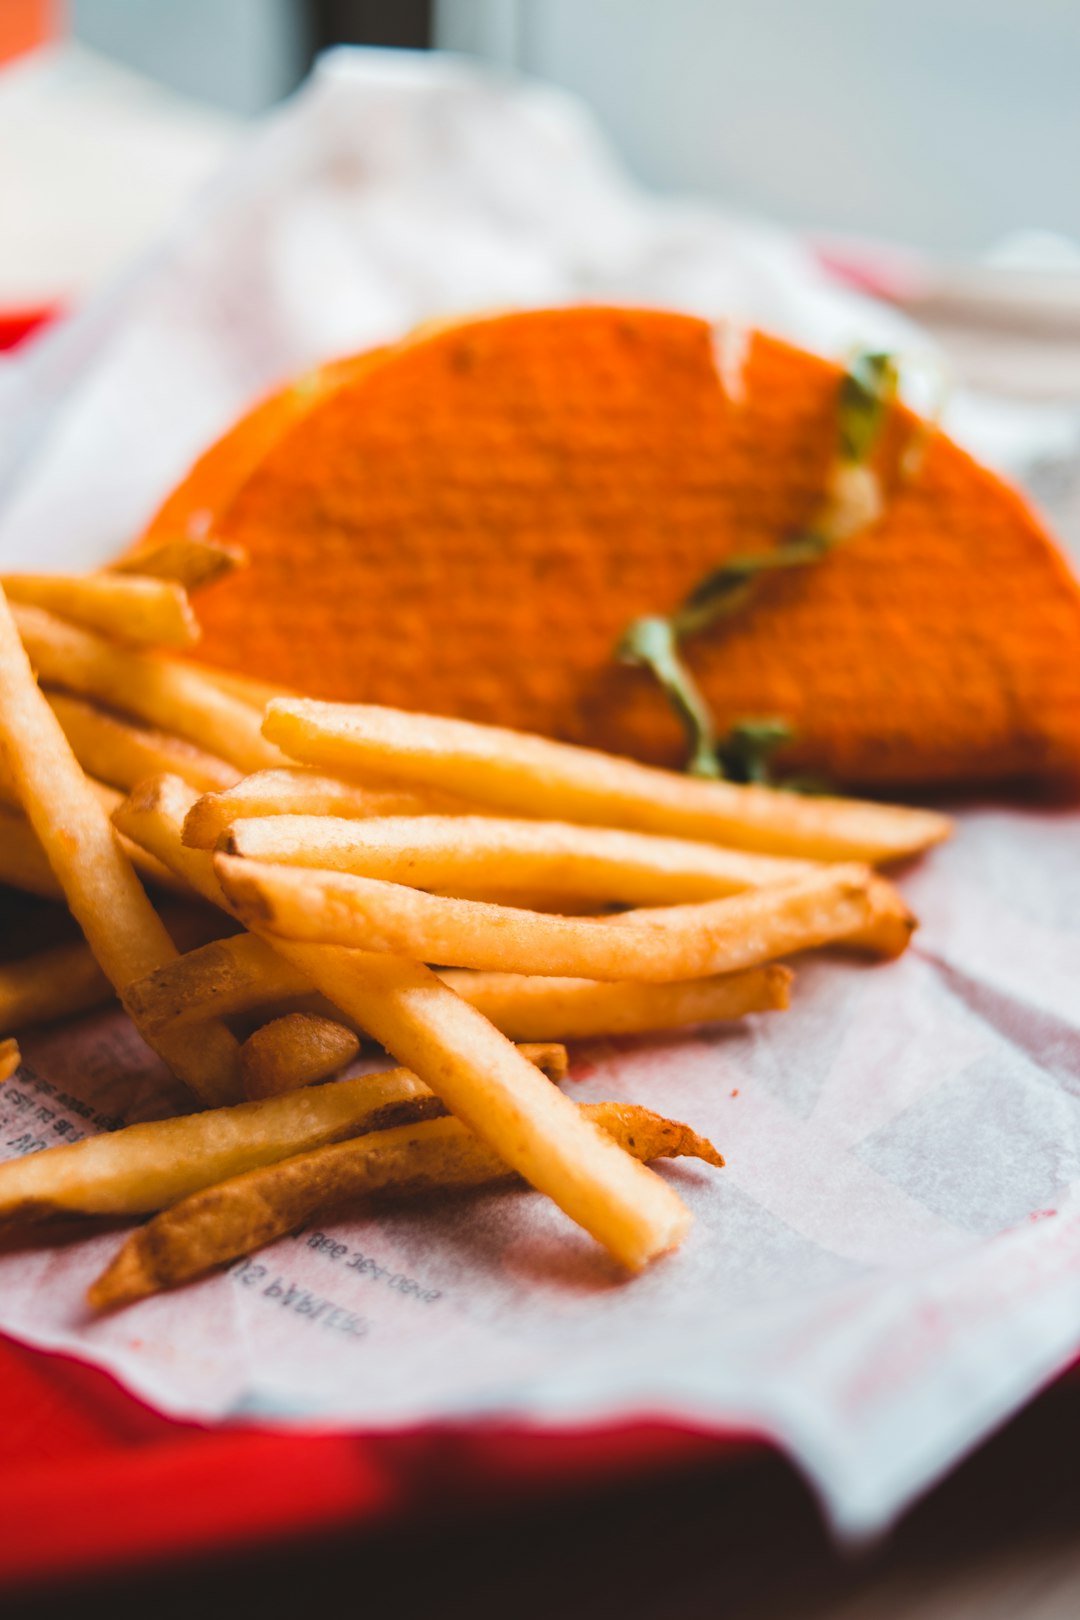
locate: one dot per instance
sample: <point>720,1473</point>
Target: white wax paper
<point>890,1263</point>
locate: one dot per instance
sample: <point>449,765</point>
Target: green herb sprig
<point>867,390</point>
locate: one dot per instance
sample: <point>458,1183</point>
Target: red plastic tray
<point>92,1480</point>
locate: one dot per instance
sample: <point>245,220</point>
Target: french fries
<point>299,792</point>
<point>446,852</point>
<point>144,1168</point>
<point>135,609</point>
<point>108,902</point>
<point>10,1058</point>
<point>213,1227</point>
<point>51,984</point>
<point>528,1008</point>
<point>679,942</point>
<point>174,696</point>
<point>121,753</point>
<point>476,1071</point>
<point>482,1078</point>
<point>532,776</point>
<point>430,840</point>
<point>298,1049</point>
<point>186,561</point>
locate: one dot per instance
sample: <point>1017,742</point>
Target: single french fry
<point>51,984</point>
<point>188,562</point>
<point>121,753</point>
<point>444,853</point>
<point>108,902</point>
<point>476,1071</point>
<point>300,792</point>
<point>144,1168</point>
<point>174,696</point>
<point>673,942</point>
<point>531,1008</point>
<point>298,1049</point>
<point>532,776</point>
<point>148,612</point>
<point>217,1225</point>
<point>10,1058</point>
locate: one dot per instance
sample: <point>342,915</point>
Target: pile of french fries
<point>466,897</point>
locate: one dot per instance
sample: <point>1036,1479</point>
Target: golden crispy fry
<point>527,1008</point>
<point>50,984</point>
<point>144,1168</point>
<point>677,942</point>
<point>892,923</point>
<point>474,1069</point>
<point>190,563</point>
<point>445,852</point>
<point>300,792</point>
<point>532,776</point>
<point>298,1049</point>
<point>10,1058</point>
<point>121,753</point>
<point>175,696</point>
<point>238,1216</point>
<point>109,904</point>
<point>150,612</point>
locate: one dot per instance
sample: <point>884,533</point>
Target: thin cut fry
<point>527,1008</point>
<point>189,562</point>
<point>444,852</point>
<point>532,776</point>
<point>51,984</point>
<point>474,1069</point>
<point>223,1222</point>
<point>175,696</point>
<point>109,904</point>
<point>150,612</point>
<point>10,1058</point>
<point>121,753</point>
<point>298,1049</point>
<point>144,1168</point>
<point>300,792</point>
<point>677,942</point>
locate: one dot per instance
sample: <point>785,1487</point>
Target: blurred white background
<point>943,123</point>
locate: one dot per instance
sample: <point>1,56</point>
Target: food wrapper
<point>890,1263</point>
